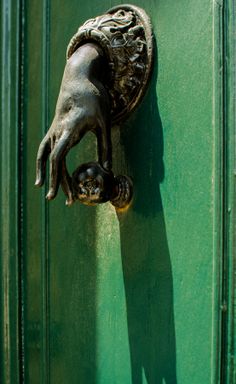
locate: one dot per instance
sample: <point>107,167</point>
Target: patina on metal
<point>109,62</point>
<point>125,35</point>
<point>92,184</point>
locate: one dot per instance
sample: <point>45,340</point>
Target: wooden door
<point>92,295</point>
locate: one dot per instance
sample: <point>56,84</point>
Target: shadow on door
<point>145,255</point>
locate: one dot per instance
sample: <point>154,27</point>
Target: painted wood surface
<point>135,297</point>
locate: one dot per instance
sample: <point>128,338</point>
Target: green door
<point>92,296</point>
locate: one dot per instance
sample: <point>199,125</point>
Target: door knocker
<point>109,62</point>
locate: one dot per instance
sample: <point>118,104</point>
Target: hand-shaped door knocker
<point>109,62</point>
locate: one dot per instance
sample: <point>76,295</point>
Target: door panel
<point>130,297</point>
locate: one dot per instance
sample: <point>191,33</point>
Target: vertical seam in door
<point>9,231</point>
<point>45,210</point>
<point>217,195</point>
<point>21,190</point>
<point>5,101</point>
<point>228,322</point>
<point>224,242</point>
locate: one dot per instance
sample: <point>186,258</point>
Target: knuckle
<point>42,147</point>
<point>54,157</point>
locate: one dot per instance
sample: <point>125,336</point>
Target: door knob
<point>108,66</point>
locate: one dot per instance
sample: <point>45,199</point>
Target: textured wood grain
<point>134,297</point>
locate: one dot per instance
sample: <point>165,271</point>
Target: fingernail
<point>37,183</point>
<point>69,202</point>
<point>107,165</point>
<point>50,195</point>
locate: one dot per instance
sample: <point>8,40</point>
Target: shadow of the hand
<point>145,253</point>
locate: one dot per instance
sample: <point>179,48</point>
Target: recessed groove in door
<point>9,80</point>
<point>45,214</point>
<point>21,180</point>
<point>228,367</point>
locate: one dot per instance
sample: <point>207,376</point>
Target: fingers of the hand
<point>68,192</point>
<point>104,150</point>
<point>42,155</point>
<point>66,184</point>
<point>56,157</point>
